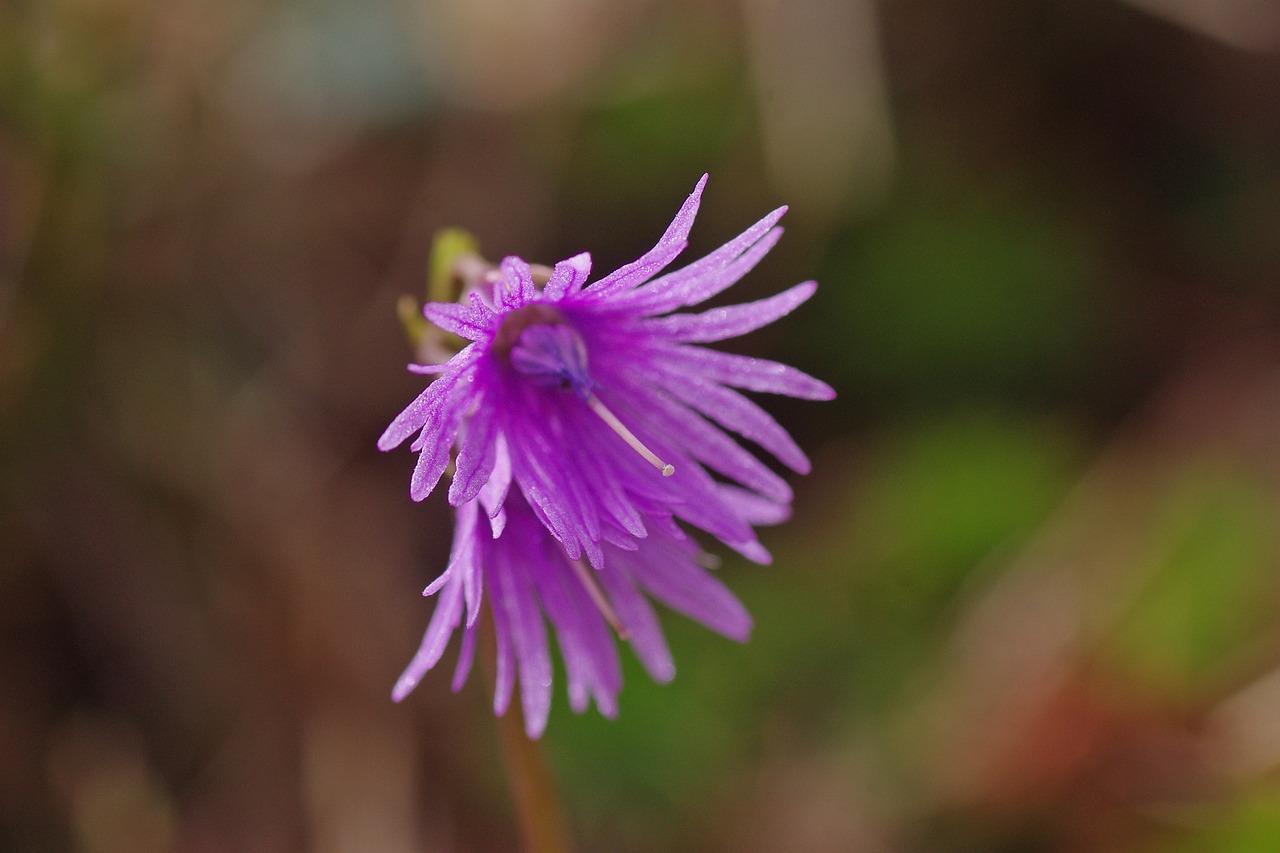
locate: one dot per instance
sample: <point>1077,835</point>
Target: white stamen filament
<point>597,596</point>
<point>628,436</point>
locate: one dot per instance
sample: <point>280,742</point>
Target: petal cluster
<point>527,574</point>
<point>562,414</point>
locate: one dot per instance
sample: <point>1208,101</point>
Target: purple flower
<point>594,402</point>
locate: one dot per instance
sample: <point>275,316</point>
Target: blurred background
<point>1028,599</point>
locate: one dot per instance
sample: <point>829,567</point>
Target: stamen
<point>598,597</point>
<point>628,436</point>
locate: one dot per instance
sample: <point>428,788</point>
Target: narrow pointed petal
<point>476,459</point>
<point>683,586</point>
<point>416,413</point>
<point>461,320</point>
<point>517,283</point>
<point>504,681</point>
<point>568,277</point>
<point>673,242</point>
<point>529,643</point>
<point>434,457</point>
<point>494,492</point>
<point>466,654</point>
<point>731,321</point>
<point>753,374</point>
<point>704,278</point>
<point>753,509</point>
<point>707,444</point>
<point>735,412</point>
<point>642,624</point>
<point>443,621</point>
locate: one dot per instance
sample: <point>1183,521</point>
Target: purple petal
<point>734,411</point>
<point>443,621</point>
<point>551,477</point>
<point>462,320</point>
<point>436,439</point>
<point>505,678</point>
<point>568,277</point>
<point>740,371</point>
<point>704,442</point>
<point>464,560</point>
<point>708,276</point>
<point>752,508</point>
<point>641,623</point>
<point>476,457</point>
<point>613,498</point>
<point>671,244</point>
<point>498,522</point>
<point>514,596</point>
<point>517,283</point>
<point>415,415</point>
<point>442,579</point>
<point>733,320</point>
<point>691,493</point>
<point>494,492</point>
<point>466,655</point>
<point>590,656</point>
<point>675,580</point>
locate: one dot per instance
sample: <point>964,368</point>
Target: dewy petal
<point>462,320</point>
<point>443,621</point>
<point>698,503</point>
<point>753,374</point>
<point>476,458</point>
<point>641,623</point>
<point>436,439</point>
<point>735,412</point>
<point>731,321</point>
<point>416,414</point>
<point>705,278</point>
<point>517,283</point>
<point>465,656</point>
<point>465,560</point>
<point>494,492</point>
<point>670,575</point>
<point>568,277</point>
<point>673,242</point>
<point>707,444</point>
<point>528,638</point>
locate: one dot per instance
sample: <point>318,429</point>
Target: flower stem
<point>542,825</point>
<point>543,828</point>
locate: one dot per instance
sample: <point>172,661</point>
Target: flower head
<point>596,404</point>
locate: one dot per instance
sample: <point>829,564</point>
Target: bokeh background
<point>1028,601</point>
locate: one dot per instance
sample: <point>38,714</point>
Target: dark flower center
<point>544,348</point>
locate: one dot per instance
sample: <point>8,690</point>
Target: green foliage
<point>1210,582</point>
<point>1249,824</point>
<point>864,607</point>
<point>960,286</point>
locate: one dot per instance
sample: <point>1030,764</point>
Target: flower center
<point>553,355</point>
